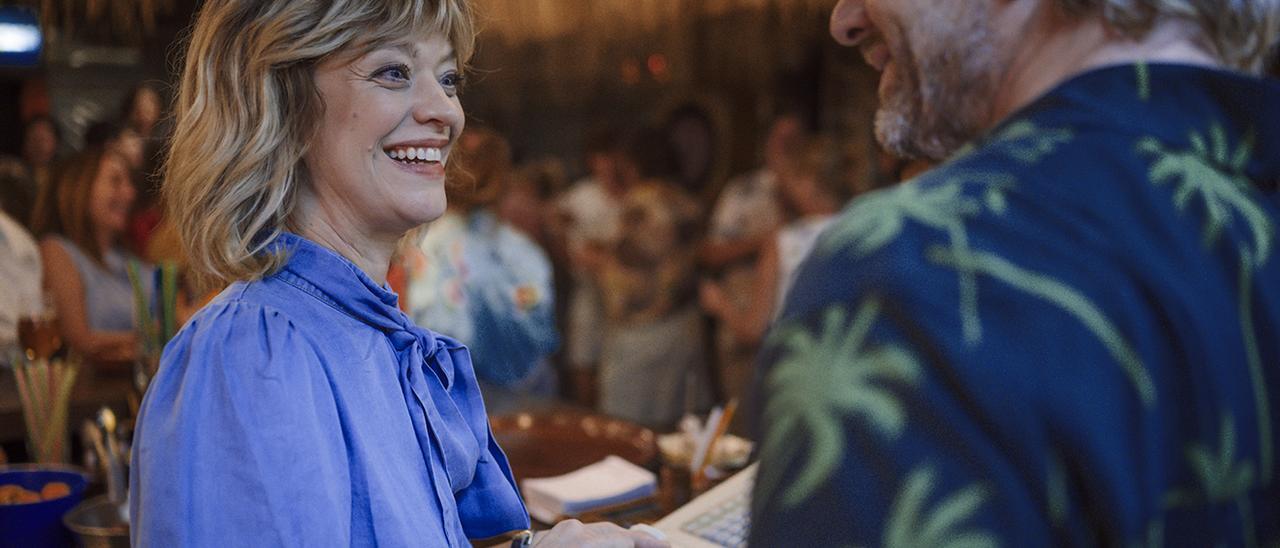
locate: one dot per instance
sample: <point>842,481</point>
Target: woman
<point>142,113</point>
<point>141,109</point>
<point>117,138</point>
<point>481,281</point>
<point>79,218</point>
<point>26,177</point>
<point>301,407</point>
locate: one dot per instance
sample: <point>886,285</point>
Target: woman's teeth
<point>415,154</point>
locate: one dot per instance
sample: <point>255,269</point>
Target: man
<point>587,223</point>
<point>1067,333</point>
<point>746,215</point>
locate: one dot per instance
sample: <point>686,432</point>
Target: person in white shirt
<point>817,183</point>
<point>746,215</point>
<point>20,294</point>
<point>589,221</point>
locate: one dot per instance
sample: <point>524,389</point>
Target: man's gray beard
<point>945,98</point>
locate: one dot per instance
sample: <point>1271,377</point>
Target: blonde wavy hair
<point>246,111</point>
<point>1241,33</point>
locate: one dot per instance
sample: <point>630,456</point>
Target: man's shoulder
<point>1003,183</point>
<point>1017,201</point>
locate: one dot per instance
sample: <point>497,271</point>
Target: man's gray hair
<point>1242,33</point>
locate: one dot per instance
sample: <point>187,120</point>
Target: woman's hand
<point>573,533</point>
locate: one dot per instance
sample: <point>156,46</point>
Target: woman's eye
<point>451,81</point>
<point>393,73</point>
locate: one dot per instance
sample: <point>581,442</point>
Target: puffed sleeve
<point>238,440</point>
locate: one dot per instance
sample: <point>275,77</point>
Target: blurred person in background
<point>142,111</point>
<point>79,218</point>
<point>588,223</point>
<point>20,294</point>
<point>652,364</point>
<point>119,139</point>
<point>745,217</point>
<point>814,185</point>
<point>1066,333</point>
<point>474,277</point>
<point>525,204</point>
<point>25,177</point>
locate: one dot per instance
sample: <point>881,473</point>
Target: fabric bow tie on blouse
<point>439,388</point>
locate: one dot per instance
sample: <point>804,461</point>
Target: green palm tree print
<point>1215,173</point>
<point>1223,478</point>
<point>821,381</point>
<point>911,525</point>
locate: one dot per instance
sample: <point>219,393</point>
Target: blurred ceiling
<point>124,21</point>
<point>540,20</point>
<point>137,22</point>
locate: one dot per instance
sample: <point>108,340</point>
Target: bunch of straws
<point>155,324</point>
<point>44,386</point>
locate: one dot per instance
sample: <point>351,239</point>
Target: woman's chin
<point>424,213</point>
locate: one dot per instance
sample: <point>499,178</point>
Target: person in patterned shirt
<point>1068,332</point>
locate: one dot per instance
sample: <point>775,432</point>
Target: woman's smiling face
<point>377,162</point>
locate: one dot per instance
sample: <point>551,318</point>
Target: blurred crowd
<point>640,289</point>
<point>73,223</point>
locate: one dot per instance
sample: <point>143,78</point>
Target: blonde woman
<point>301,407</point>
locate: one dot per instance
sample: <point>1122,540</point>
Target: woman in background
<point>120,139</point>
<point>301,407</point>
<point>79,218</point>
<point>474,277</point>
<point>25,178</point>
<point>141,110</point>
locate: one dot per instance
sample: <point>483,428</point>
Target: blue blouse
<point>305,409</point>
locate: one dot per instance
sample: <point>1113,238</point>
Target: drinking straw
<point>700,475</point>
<point>66,373</point>
<point>704,439</point>
<point>146,325</point>
<point>44,389</point>
<point>24,395</point>
<point>169,301</point>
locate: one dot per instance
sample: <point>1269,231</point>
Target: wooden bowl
<point>551,443</point>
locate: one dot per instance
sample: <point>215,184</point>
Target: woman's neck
<point>105,239</point>
<point>370,253</point>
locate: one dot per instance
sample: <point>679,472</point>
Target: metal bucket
<point>96,522</point>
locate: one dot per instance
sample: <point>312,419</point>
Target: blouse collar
<point>335,280</point>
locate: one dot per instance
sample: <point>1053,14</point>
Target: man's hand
<point>573,534</point>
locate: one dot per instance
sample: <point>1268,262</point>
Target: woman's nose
<point>434,106</point>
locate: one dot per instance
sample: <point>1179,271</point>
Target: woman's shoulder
<point>234,333</point>
<point>57,242</point>
<point>235,311</point>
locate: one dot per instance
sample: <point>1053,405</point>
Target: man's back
<point>1068,332</point>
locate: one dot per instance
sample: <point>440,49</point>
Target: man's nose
<point>849,22</point>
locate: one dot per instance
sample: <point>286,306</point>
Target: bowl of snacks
<point>33,499</point>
